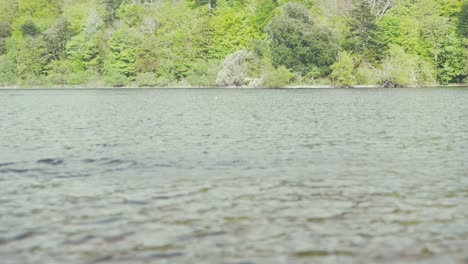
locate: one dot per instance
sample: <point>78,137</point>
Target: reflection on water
<point>234,176</point>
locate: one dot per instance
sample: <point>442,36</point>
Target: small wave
<point>6,164</point>
<point>52,162</point>
<point>135,202</point>
<point>10,170</point>
<point>137,259</point>
<point>20,236</point>
<point>119,162</point>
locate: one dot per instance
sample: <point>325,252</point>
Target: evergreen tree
<point>364,35</point>
<point>463,20</point>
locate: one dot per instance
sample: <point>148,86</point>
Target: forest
<point>233,43</point>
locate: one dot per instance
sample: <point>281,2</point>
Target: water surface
<point>234,176</point>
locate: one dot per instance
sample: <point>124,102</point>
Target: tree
<point>174,41</point>
<point>30,61</point>
<point>298,43</point>
<point>29,28</point>
<point>462,25</point>
<point>364,35</point>
<point>130,14</point>
<point>111,7</point>
<point>233,69</point>
<point>84,54</point>
<point>56,38</point>
<point>5,32</point>
<point>380,7</point>
<point>211,4</point>
<point>148,56</point>
<point>263,14</point>
<point>123,44</point>
<point>401,69</point>
<point>93,23</point>
<point>232,31</point>
<point>450,61</point>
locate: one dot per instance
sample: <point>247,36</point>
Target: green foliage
<point>450,61</point>
<point>343,71</point>
<point>364,35</point>
<point>5,32</point>
<point>147,59</point>
<point>402,69</point>
<point>130,14</point>
<point>29,58</point>
<point>111,6</point>
<point>299,44</point>
<point>264,13</point>
<point>115,78</point>
<point>177,44</point>
<point>33,80</point>
<point>146,79</point>
<point>462,25</point>
<point>167,42</point>
<point>123,46</point>
<point>83,54</point>
<point>277,78</point>
<point>7,70</point>
<point>93,24</point>
<point>232,31</point>
<point>8,10</point>
<point>211,4</point>
<point>367,74</point>
<point>5,29</point>
<point>29,28</point>
<point>80,77</point>
<point>56,38</point>
<point>203,73</point>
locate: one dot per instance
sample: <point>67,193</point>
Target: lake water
<point>234,176</point>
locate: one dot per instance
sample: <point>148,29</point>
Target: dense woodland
<point>220,43</point>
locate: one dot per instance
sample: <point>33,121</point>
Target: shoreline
<point>84,87</point>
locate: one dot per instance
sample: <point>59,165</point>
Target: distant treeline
<point>219,43</point>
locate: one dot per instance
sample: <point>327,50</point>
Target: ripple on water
<point>234,176</point>
<point>50,161</point>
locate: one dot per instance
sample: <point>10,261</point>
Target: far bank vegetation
<point>233,43</point>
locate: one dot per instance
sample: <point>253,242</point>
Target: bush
<point>116,79</point>
<point>343,71</point>
<point>79,78</point>
<point>402,69</point>
<point>425,73</point>
<point>56,72</point>
<point>34,80</point>
<point>146,79</point>
<point>203,74</point>
<point>277,78</point>
<point>7,71</point>
<point>162,81</point>
<point>233,69</point>
<point>367,74</point>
